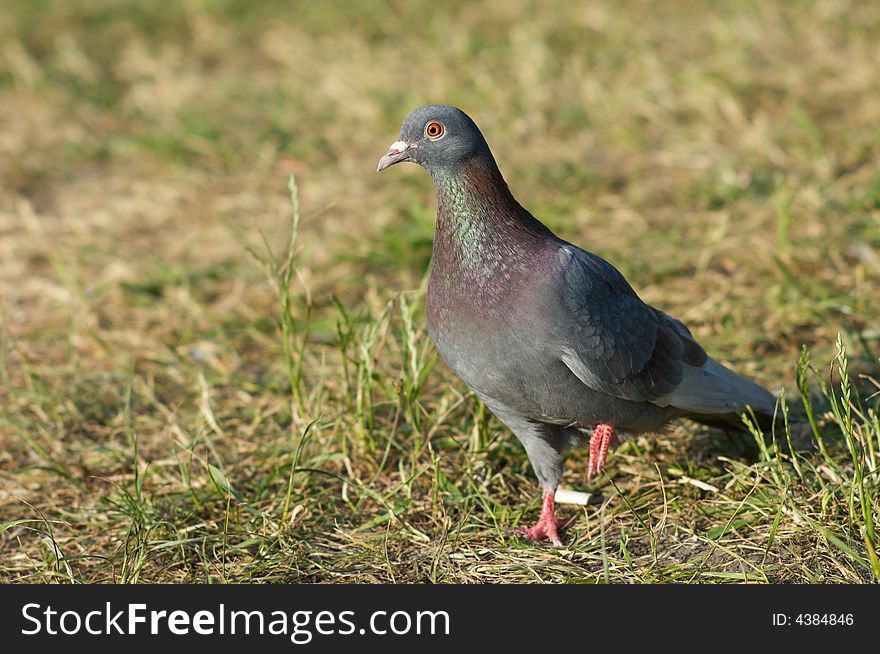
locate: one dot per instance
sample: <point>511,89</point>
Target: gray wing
<point>610,339</point>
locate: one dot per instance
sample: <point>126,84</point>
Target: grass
<point>211,374</point>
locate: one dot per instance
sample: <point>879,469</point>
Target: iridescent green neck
<point>476,214</point>
<point>462,216</point>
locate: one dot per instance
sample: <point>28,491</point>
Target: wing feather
<point>611,340</point>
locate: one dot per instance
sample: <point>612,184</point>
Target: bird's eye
<point>434,130</point>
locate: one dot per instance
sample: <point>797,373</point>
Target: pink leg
<point>603,437</point>
<point>548,524</point>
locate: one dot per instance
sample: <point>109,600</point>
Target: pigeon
<point>550,337</point>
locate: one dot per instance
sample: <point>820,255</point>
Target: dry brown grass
<point>725,159</point>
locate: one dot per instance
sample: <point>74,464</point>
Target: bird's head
<point>436,137</point>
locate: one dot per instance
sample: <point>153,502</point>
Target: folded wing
<point>616,344</point>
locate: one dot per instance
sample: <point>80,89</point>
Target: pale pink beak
<point>399,151</point>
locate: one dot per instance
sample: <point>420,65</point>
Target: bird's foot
<point>548,525</point>
<point>603,437</point>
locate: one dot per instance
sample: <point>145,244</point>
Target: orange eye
<point>434,130</point>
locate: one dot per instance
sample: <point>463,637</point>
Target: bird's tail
<point>734,419</point>
<point>715,395</point>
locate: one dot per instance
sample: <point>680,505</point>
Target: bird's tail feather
<point>715,395</point>
<point>733,419</point>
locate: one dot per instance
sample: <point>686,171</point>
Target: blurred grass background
<point>176,404</point>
